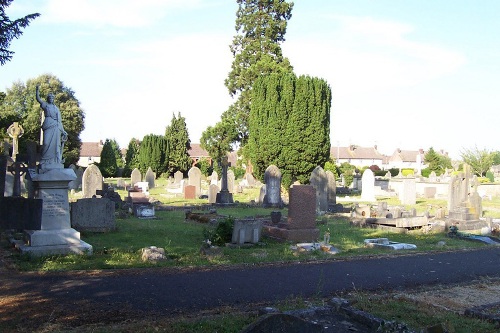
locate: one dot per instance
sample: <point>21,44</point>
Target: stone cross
<point>224,164</point>
<point>15,131</point>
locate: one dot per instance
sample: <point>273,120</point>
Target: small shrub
<point>407,172</point>
<point>426,172</point>
<point>394,172</point>
<point>222,233</point>
<point>490,176</point>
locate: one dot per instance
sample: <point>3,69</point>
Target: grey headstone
<point>213,189</point>
<point>92,181</point>
<point>73,185</point>
<point>250,179</point>
<point>150,178</point>
<point>319,181</point>
<point>194,178</point>
<point>93,214</point>
<point>408,194</point>
<point>135,177</point>
<point>230,181</point>
<point>332,188</point>
<point>272,178</point>
<point>178,176</point>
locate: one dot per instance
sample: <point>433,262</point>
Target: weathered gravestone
<point>93,214</point>
<point>150,178</point>
<point>301,222</point>
<point>246,231</point>
<point>408,193</point>
<point>73,185</point>
<point>224,196</point>
<point>250,179</point>
<point>319,181</point>
<point>194,179</point>
<point>135,177</point>
<point>272,178</point>
<point>332,188</point>
<point>230,181</point>
<point>91,181</point>
<point>178,176</point>
<point>214,178</point>
<point>368,186</point>
<point>213,189</point>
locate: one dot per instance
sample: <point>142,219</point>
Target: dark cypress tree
<point>131,157</point>
<point>152,154</point>
<point>107,165</point>
<point>179,144</point>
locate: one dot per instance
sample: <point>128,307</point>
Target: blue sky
<point>404,74</point>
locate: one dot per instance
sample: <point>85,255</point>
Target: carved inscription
<point>54,205</point>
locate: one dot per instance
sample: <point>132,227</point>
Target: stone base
<point>50,242</point>
<point>77,248</point>
<point>52,237</point>
<point>295,235</point>
<point>466,224</point>
<point>224,197</point>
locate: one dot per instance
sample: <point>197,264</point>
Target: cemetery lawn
<point>182,240</point>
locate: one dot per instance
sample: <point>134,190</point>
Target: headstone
<point>214,178</point>
<point>150,178</point>
<point>368,186</point>
<point>79,177</point>
<point>408,193</point>
<point>190,192</point>
<point>20,213</point>
<point>262,193</point>
<point>430,192</point>
<point>178,176</point>
<point>230,181</point>
<point>145,211</point>
<point>432,177</point>
<point>247,231</point>
<point>213,189</point>
<point>135,177</point>
<point>272,178</point>
<point>332,188</point>
<point>91,181</point>
<point>319,181</point>
<point>250,179</point>
<point>93,215</point>
<point>120,183</point>
<point>73,185</point>
<point>194,179</point>
<point>224,196</point>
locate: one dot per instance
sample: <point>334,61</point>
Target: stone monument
<point>224,196</point>
<point>272,178</point>
<point>51,181</point>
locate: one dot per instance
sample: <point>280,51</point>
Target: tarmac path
<point>182,290</point>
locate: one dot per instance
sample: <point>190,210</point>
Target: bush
<point>426,172</point>
<point>407,172</point>
<point>394,172</point>
<point>222,233</point>
<point>379,173</point>
<point>205,167</point>
<point>238,172</point>
<point>490,176</point>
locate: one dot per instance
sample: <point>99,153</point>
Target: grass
<point>182,240</point>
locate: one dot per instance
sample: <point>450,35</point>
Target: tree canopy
<point>132,157</point>
<point>10,30</point>
<point>107,165</point>
<point>289,125</point>
<point>153,154</point>
<point>178,145</point>
<point>436,162</point>
<point>260,29</point>
<point>20,105</point>
<point>480,160</point>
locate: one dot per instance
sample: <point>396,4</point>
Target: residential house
<point>406,159</point>
<point>90,153</point>
<point>358,156</point>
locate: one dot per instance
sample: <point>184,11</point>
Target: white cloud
<point>112,13</point>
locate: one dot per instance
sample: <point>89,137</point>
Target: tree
<point>132,157</point>
<point>289,125</point>
<point>107,165</point>
<point>496,157</point>
<point>480,161</point>
<point>153,153</point>
<point>10,30</point>
<point>217,140</point>
<point>20,105</point>
<point>260,29</point>
<point>179,144</point>
<point>118,154</point>
<point>436,162</point>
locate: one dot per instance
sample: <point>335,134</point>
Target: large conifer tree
<point>289,125</point>
<point>153,154</point>
<point>107,165</point>
<point>177,137</point>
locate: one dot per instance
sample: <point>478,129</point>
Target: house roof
<point>197,151</point>
<point>406,155</point>
<point>90,149</point>
<point>356,152</point>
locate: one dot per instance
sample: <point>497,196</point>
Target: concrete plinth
<point>56,235</point>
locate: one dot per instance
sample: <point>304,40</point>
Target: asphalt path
<point>172,290</point>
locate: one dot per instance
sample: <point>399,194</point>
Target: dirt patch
<point>483,293</point>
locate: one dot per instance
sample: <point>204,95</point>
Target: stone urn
<point>275,216</point>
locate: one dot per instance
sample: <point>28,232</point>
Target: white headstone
<point>368,186</point>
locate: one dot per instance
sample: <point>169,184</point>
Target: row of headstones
<point>323,181</point>
<point>407,195</point>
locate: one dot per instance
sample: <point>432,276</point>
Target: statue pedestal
<point>56,235</point>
